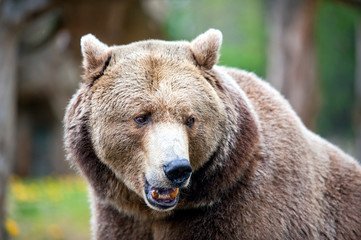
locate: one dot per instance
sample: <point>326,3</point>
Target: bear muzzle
<point>167,165</point>
<point>178,173</point>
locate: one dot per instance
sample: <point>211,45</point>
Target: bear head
<point>158,119</point>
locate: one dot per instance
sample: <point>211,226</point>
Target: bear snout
<point>178,171</point>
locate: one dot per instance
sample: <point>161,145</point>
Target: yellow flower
<point>19,191</point>
<point>11,227</point>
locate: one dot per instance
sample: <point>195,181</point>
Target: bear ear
<point>95,56</point>
<point>206,48</point>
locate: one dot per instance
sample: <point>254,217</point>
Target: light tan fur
<point>164,141</point>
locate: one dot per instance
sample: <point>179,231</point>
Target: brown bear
<point>175,147</point>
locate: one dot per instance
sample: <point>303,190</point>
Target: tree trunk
<point>8,52</point>
<point>291,61</point>
<point>12,15</point>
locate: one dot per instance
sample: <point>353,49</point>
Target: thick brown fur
<point>258,173</point>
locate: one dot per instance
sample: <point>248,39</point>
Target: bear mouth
<point>161,198</point>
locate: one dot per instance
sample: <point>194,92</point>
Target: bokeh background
<point>308,49</point>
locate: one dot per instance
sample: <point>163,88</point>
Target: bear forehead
<point>153,74</point>
<point>146,76</point>
<point>153,66</point>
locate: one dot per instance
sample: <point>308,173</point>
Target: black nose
<point>178,171</point>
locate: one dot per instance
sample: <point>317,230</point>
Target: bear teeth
<point>172,195</point>
<point>155,194</point>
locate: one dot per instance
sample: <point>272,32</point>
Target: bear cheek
<point>120,148</point>
<point>205,139</point>
<point>203,145</point>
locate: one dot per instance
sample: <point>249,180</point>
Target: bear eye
<point>142,119</point>
<point>190,121</point>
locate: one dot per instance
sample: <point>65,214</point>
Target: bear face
<point>154,118</point>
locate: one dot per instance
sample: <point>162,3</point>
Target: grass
<point>48,208</point>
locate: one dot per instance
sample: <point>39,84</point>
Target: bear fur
<point>257,172</point>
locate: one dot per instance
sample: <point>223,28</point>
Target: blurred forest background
<point>308,49</point>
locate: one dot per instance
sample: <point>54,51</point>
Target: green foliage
<point>335,41</point>
<point>48,208</point>
<point>242,24</point>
